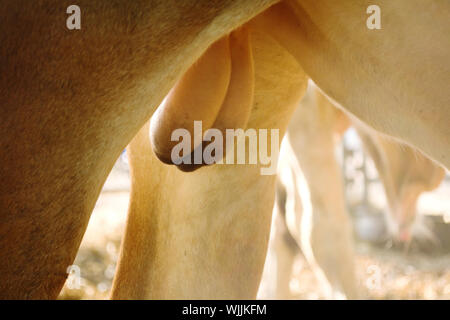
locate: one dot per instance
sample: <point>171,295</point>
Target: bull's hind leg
<point>204,234</point>
<point>70,103</point>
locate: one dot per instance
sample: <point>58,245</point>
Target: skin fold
<point>198,95</point>
<point>217,90</point>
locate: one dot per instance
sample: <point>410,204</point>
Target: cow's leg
<point>204,234</point>
<point>326,233</point>
<point>396,79</point>
<point>282,251</point>
<point>70,102</point>
<point>285,250</point>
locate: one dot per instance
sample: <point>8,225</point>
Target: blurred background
<point>385,270</point>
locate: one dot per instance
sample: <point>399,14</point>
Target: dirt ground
<point>384,273</point>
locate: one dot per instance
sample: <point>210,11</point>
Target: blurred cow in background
<point>405,174</point>
<point>310,209</point>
